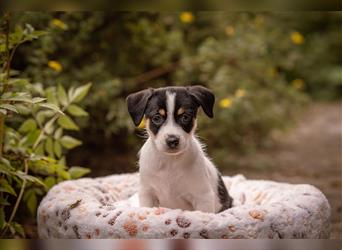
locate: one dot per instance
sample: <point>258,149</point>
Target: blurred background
<point>277,78</point>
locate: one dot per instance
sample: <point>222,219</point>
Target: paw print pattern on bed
<point>101,208</point>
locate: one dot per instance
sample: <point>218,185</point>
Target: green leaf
<point>6,162</point>
<point>39,191</point>
<point>6,187</point>
<point>50,168</point>
<point>18,81</point>
<point>67,123</point>
<point>18,229</point>
<point>59,167</point>
<point>62,161</point>
<point>5,167</point>
<point>51,106</point>
<point>32,137</point>
<point>51,96</point>
<point>38,88</point>
<point>76,110</point>
<point>64,174</point>
<point>32,203</point>
<point>9,107</point>
<point>12,230</point>
<point>80,93</point>
<point>40,149</point>
<point>71,92</point>
<point>77,172</point>
<point>37,33</point>
<point>28,193</point>
<point>6,95</point>
<point>49,147</point>
<point>69,142</point>
<point>50,181</point>
<point>62,96</point>
<point>4,170</point>
<point>3,111</point>
<point>49,126</point>
<point>58,133</point>
<point>22,109</point>
<point>42,115</point>
<point>4,202</point>
<point>57,149</point>
<point>28,126</point>
<point>42,167</point>
<point>29,178</point>
<point>19,97</point>
<point>2,218</point>
<point>38,100</point>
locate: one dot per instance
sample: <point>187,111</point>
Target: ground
<point>309,153</point>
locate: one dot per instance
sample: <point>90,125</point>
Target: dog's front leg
<point>147,198</point>
<point>205,203</point>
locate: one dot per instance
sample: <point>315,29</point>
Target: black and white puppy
<point>174,170</point>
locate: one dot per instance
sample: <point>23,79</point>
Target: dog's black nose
<point>172,141</point>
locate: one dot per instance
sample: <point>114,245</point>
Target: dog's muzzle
<point>172,141</point>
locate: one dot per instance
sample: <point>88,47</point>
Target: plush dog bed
<point>102,208</point>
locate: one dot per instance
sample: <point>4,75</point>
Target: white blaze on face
<point>170,127</point>
<point>170,107</point>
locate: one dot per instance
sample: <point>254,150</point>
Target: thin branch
<point>11,56</point>
<point>42,132</point>
<point>21,193</point>
<point>157,72</point>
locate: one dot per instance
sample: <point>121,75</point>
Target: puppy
<point>174,170</point>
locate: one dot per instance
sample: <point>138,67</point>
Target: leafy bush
<point>262,67</point>
<point>33,121</point>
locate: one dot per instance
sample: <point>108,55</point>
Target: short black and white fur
<point>174,170</point>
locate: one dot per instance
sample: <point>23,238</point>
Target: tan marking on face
<point>162,112</point>
<point>180,111</point>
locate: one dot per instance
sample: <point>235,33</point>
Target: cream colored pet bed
<point>101,208</point>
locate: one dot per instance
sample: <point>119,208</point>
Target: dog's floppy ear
<point>137,103</point>
<point>204,97</point>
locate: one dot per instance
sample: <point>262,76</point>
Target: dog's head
<point>170,114</point>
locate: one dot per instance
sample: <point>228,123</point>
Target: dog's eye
<point>185,118</point>
<point>157,119</point>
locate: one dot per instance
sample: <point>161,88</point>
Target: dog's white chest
<point>173,188</point>
<point>177,182</point>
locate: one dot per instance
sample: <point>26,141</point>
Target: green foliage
<point>33,122</point>
<point>262,67</point>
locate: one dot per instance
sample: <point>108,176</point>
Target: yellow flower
<point>230,31</point>
<point>56,66</point>
<point>240,93</point>
<point>186,17</point>
<point>226,102</point>
<point>59,24</point>
<point>142,124</point>
<point>297,38</point>
<point>298,83</point>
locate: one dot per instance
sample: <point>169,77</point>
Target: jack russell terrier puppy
<point>174,170</point>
